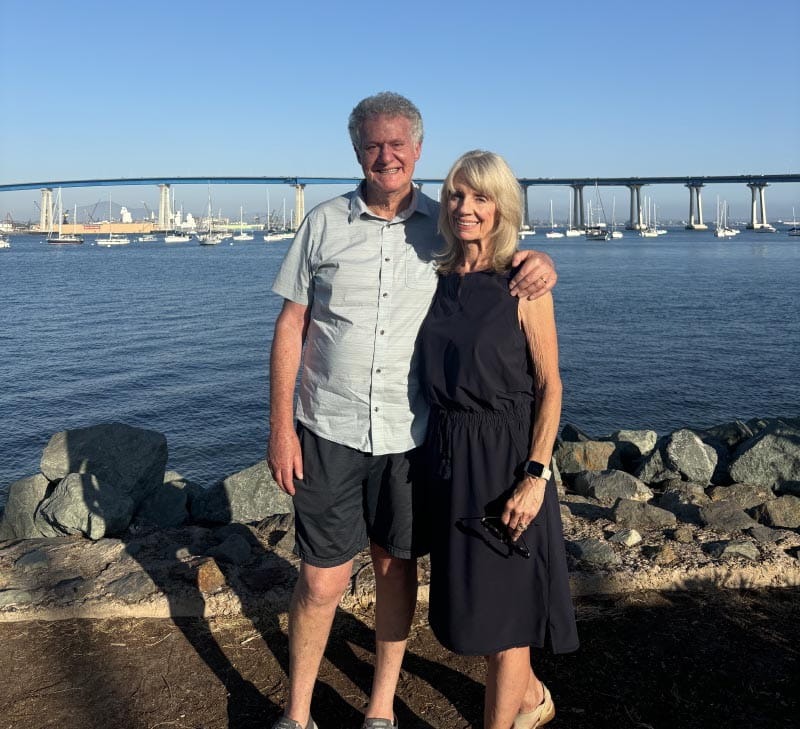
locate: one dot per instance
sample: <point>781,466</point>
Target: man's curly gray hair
<point>388,103</point>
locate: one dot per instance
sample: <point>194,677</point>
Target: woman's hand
<point>523,506</point>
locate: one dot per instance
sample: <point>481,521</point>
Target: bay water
<point>684,329</point>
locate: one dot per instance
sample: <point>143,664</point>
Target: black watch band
<point>538,470</point>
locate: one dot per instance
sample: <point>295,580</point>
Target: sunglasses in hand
<point>494,526</point>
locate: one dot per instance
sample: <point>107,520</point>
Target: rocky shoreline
<point>103,531</point>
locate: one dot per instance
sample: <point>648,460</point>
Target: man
<point>357,282</point>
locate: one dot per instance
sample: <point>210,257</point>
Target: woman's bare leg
<point>508,679</point>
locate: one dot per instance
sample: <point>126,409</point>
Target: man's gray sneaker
<point>286,723</point>
<point>380,724</point>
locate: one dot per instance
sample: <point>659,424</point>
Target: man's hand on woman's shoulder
<point>537,275</point>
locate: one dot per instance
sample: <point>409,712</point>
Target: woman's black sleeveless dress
<point>485,597</point>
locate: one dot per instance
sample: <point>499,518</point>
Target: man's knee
<point>323,585</point>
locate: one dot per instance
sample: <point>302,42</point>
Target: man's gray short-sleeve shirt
<point>368,282</point>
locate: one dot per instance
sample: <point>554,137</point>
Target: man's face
<point>388,153</point>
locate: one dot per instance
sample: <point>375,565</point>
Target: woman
<point>498,570</point>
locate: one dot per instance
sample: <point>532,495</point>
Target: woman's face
<point>472,214</point>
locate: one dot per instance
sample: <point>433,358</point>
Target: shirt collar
<point>419,204</point>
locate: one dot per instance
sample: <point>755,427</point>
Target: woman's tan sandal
<point>540,716</point>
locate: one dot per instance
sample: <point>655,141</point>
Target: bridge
<point>695,184</point>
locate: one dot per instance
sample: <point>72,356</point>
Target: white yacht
<point>242,235</point>
<point>113,239</point>
<point>4,241</point>
<point>175,237</point>
<point>553,233</point>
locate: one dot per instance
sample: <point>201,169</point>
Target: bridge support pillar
<point>636,220</point>
<point>46,210</point>
<point>164,208</point>
<point>526,221</point>
<point>578,217</point>
<point>299,205</point>
<point>755,224</point>
<point>695,221</point>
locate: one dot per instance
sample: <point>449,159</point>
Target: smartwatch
<point>537,470</point>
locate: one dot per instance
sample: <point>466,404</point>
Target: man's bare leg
<point>314,601</point>
<point>395,600</point>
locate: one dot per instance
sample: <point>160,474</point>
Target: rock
<point>683,535</point>
<point>660,554</point>
<point>654,468</point>
<point>642,440</point>
<point>247,496</point>
<point>129,460</point>
<point>788,487</point>
<point>783,512</point>
<point>209,576</point>
<point>689,456</point>
<point>726,517</point>
<point>638,515</point>
<point>133,587</point>
<point>769,458</point>
<point>765,535</point>
<point>573,434</point>
<point>235,549</point>
<point>81,504</point>
<point>167,505</point>
<point>608,486</point>
<point>594,552</point>
<point>34,560</point>
<point>730,434</point>
<point>24,496</point>
<point>573,457</point>
<point>585,507</point>
<point>14,596</point>
<point>746,495</point>
<point>684,499</point>
<point>627,537</point>
<point>738,548</point>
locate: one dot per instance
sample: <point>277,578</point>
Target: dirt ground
<point>647,660</point>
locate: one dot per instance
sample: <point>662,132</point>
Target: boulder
<point>736,548</point>
<point>235,549</point>
<point>642,440</point>
<point>166,506</point>
<point>746,495</point>
<point>730,434</point>
<point>726,517</point>
<point>782,512</point>
<point>641,516</point>
<point>684,499</point>
<point>661,554</point>
<point>81,504</point>
<point>689,456</point>
<point>626,537</point>
<point>608,486</point>
<point>247,496</point>
<point>653,467</point>
<point>573,434</point>
<point>129,460</point>
<point>769,458</point>
<point>573,457</point>
<point>24,496</point>
<point>594,552</point>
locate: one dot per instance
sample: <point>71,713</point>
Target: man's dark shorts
<point>348,498</point>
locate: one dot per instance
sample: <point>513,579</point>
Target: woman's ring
<point>543,279</point>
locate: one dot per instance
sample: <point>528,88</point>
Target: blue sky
<point>577,88</point>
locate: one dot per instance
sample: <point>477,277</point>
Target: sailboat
<point>273,235</point>
<point>113,239</point>
<point>597,231</point>
<point>553,233</point>
<point>614,232</point>
<point>63,238</point>
<point>795,229</point>
<point>571,231</point>
<point>210,238</point>
<point>648,231</point>
<point>4,241</point>
<point>242,235</point>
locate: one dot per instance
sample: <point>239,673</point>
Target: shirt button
<point>382,331</point>
<point>378,371</point>
<point>387,259</point>
<point>385,294</point>
<point>376,410</point>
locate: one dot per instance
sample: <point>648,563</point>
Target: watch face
<point>534,469</point>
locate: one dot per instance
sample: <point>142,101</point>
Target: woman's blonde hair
<point>489,174</point>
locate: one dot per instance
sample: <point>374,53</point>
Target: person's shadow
<point>174,565</point>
